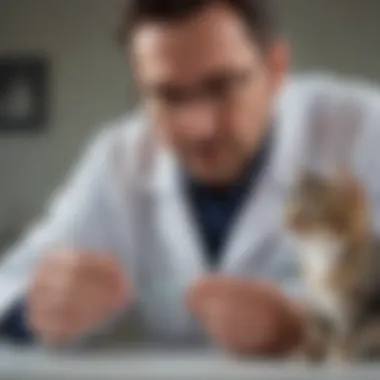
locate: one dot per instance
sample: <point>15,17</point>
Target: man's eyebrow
<point>167,89</point>
<point>222,74</point>
<point>206,80</point>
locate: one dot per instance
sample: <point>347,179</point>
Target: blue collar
<point>241,185</point>
<point>215,209</point>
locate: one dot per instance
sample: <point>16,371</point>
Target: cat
<point>339,257</point>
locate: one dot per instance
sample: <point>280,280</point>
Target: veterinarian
<point>175,213</point>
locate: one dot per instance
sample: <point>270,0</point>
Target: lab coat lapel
<point>175,220</point>
<point>261,217</point>
<point>257,220</point>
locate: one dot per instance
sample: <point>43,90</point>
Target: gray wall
<point>340,35</point>
<point>90,84</point>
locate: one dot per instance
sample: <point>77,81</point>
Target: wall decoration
<point>23,93</point>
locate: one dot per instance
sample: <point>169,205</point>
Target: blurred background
<point>89,83</point>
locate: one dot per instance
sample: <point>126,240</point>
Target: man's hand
<point>245,317</point>
<point>74,292</point>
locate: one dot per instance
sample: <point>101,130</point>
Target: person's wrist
<point>293,321</point>
<point>283,329</point>
<point>286,323</point>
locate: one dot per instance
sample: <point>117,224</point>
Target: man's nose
<point>198,121</point>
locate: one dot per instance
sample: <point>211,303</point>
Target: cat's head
<point>333,206</point>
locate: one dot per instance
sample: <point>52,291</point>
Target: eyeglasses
<point>217,88</point>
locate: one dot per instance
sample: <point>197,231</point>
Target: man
<point>177,212</point>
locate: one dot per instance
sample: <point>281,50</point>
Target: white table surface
<point>17,364</point>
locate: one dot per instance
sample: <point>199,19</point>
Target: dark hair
<point>255,13</point>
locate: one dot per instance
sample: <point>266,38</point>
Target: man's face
<point>208,88</point>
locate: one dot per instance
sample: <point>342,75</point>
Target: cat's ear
<point>354,198</point>
<point>348,182</point>
<point>352,189</point>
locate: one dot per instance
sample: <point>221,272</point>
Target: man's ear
<point>278,61</point>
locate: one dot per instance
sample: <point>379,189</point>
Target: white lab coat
<point>124,198</point>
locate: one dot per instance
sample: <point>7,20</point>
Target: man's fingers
<point>76,315</point>
<point>87,298</point>
<point>74,292</point>
<point>52,320</point>
<point>52,328</point>
<point>69,280</point>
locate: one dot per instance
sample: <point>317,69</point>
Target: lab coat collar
<point>256,222</point>
<point>175,219</point>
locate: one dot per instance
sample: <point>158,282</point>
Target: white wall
<point>90,84</point>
